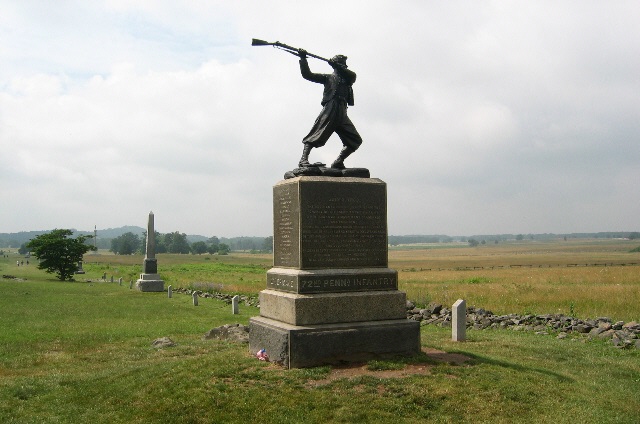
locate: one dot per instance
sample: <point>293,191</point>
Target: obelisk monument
<point>150,279</point>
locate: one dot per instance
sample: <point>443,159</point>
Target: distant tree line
<point>416,239</point>
<point>247,244</point>
<point>176,242</point>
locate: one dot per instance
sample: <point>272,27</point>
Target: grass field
<point>81,351</point>
<point>582,278</point>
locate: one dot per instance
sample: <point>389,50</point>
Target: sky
<point>482,117</point>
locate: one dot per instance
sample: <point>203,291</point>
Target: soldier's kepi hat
<point>339,58</point>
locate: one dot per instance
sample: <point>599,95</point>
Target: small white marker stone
<point>234,305</point>
<point>195,299</point>
<point>459,321</point>
<point>169,291</point>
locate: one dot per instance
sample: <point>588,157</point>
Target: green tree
<point>23,250</point>
<point>58,253</point>
<point>199,247</point>
<point>223,249</point>
<point>176,242</point>
<point>214,243</point>
<point>126,244</point>
<point>473,242</point>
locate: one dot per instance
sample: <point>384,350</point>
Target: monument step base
<point>328,308</point>
<point>150,285</point>
<point>314,345</point>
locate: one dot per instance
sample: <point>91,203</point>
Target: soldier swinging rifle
<point>337,96</point>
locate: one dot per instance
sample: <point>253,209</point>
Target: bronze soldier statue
<point>337,96</point>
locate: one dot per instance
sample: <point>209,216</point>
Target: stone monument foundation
<point>150,283</point>
<point>330,296</point>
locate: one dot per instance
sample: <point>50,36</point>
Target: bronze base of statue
<point>323,171</point>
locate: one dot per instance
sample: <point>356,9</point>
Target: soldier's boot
<point>304,160</point>
<point>344,153</point>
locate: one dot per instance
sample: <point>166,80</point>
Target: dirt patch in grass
<point>449,358</point>
<point>358,369</point>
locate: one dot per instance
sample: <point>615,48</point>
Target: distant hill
<point>17,239</point>
<point>105,236</point>
<point>110,233</point>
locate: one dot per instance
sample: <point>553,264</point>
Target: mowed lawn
<point>81,352</point>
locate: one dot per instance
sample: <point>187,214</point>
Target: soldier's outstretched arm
<point>306,72</point>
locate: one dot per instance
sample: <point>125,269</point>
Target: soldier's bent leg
<point>344,153</point>
<point>304,160</point>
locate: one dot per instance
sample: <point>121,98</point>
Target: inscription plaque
<point>332,281</point>
<point>323,222</point>
<point>286,223</point>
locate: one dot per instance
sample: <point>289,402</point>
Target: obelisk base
<point>150,283</point>
<point>313,345</point>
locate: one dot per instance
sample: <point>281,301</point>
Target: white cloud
<point>481,117</point>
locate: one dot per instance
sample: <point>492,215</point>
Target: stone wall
<point>620,334</point>
<point>244,299</point>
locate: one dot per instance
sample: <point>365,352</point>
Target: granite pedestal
<point>150,283</point>
<point>150,280</point>
<point>330,295</point>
